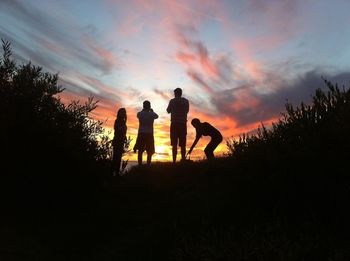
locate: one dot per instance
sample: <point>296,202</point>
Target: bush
<point>306,131</point>
<point>39,133</point>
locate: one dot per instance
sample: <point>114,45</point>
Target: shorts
<point>214,142</point>
<point>145,142</point>
<point>178,132</point>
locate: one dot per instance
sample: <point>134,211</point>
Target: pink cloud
<point>185,58</point>
<point>250,65</point>
<point>195,54</point>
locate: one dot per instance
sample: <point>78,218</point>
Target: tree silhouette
<point>38,131</point>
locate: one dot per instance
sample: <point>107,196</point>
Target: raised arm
<point>155,115</point>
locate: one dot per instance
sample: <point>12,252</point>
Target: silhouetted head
<point>146,105</point>
<point>121,115</point>
<point>178,92</point>
<point>195,122</point>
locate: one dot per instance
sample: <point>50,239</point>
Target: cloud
<point>278,15</point>
<point>209,72</point>
<point>194,52</point>
<point>62,42</point>
<point>108,102</point>
<point>198,79</point>
<point>246,105</point>
<point>164,94</point>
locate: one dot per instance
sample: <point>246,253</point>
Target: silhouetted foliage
<point>319,129</point>
<point>38,131</point>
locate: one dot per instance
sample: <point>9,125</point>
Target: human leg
<point>174,150</point>
<point>149,143</point>
<point>149,158</point>
<point>182,132</point>
<point>173,140</point>
<point>209,152</point>
<point>183,152</point>
<point>209,149</point>
<point>116,160</point>
<point>139,157</point>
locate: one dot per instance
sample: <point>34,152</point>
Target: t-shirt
<point>178,107</point>
<point>146,119</point>
<point>206,129</point>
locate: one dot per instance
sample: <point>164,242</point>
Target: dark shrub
<point>319,130</point>
<point>48,147</point>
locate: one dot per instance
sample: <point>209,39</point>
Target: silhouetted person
<point>205,129</point>
<point>178,107</point>
<point>119,140</point>
<point>145,138</point>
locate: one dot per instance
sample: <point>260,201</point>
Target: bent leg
<point>209,152</point>
<point>209,149</point>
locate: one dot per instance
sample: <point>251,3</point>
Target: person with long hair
<point>119,140</point>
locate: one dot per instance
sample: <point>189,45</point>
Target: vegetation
<point>52,153</point>
<point>282,194</point>
<point>307,131</point>
<point>35,124</point>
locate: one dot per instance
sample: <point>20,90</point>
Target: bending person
<point>145,138</point>
<point>205,129</point>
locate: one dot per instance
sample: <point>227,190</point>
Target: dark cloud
<point>42,29</point>
<point>82,92</point>
<point>197,78</point>
<point>277,14</point>
<point>241,97</point>
<point>25,53</point>
<point>164,94</point>
<point>269,105</point>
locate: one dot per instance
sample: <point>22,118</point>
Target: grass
<point>219,210</point>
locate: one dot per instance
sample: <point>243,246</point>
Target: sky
<point>237,61</point>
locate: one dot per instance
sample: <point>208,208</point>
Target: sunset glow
<point>238,62</point>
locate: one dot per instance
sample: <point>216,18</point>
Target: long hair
<point>121,117</point>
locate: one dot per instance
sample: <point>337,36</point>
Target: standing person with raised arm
<point>145,138</point>
<point>178,108</point>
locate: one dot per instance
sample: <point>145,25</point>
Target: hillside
<point>198,211</point>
